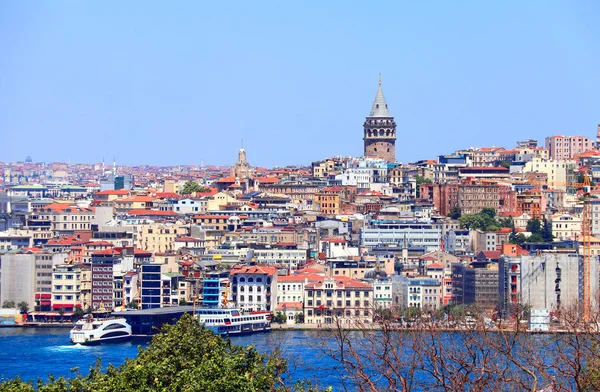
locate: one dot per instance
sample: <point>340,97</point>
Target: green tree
<point>454,213</point>
<point>516,238</point>
<point>8,304</point>
<point>23,307</point>
<point>536,237</point>
<point>191,187</point>
<point>488,212</point>
<point>534,226</point>
<point>507,222</point>
<point>299,318</point>
<point>483,221</point>
<point>547,231</point>
<point>133,305</point>
<point>280,318</point>
<point>183,302</point>
<point>419,180</point>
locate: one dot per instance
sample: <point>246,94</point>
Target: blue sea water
<point>36,352</point>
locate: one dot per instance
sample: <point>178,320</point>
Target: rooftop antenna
<point>242,143</point>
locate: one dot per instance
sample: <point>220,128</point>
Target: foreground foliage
<point>183,357</point>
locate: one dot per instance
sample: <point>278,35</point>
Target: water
<point>36,352</point>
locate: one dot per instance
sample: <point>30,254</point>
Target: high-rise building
<point>567,147</point>
<point>380,130</point>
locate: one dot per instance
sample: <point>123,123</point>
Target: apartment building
<point>338,298</point>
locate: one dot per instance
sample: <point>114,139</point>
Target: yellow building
<point>217,200</point>
<point>158,237</point>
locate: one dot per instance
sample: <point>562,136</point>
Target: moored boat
<point>90,331</point>
<point>224,321</point>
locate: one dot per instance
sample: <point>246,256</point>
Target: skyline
<point>455,76</point>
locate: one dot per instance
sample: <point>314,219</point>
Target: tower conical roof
<point>379,108</point>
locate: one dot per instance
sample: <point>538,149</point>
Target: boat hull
<point>96,342</point>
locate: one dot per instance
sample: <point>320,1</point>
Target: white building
<point>566,226</point>
<point>254,287</point>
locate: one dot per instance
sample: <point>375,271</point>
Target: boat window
<point>113,326</point>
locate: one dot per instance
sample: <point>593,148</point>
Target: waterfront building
<point>66,287</point>
<point>216,290</point>
<point>338,298</point>
<point>547,280</point>
<point>27,276</point>
<point>475,284</point>
<point>254,287</point>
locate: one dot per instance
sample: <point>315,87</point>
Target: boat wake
<point>70,347</point>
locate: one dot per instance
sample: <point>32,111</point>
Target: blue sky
<point>183,82</point>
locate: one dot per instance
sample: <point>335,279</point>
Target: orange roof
<point>167,195</point>
<point>151,213</point>
<point>211,192</point>
<point>334,240</point>
<point>298,278</point>
<point>264,180</point>
<point>59,207</point>
<point>226,179</point>
<point>253,269</point>
<point>289,306</point>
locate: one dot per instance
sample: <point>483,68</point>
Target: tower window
<point>377,106</point>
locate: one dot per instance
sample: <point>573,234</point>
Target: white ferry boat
<point>90,331</point>
<point>223,321</point>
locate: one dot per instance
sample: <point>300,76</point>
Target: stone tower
<point>380,130</point>
<point>241,169</point>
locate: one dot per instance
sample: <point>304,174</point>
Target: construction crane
<point>586,232</point>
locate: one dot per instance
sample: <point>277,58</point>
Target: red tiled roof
<point>253,269</point>
<point>289,305</point>
<point>151,213</point>
<point>167,195</point>
<point>299,278</point>
<point>491,254</point>
<point>336,240</point>
<point>264,180</point>
<point>226,179</point>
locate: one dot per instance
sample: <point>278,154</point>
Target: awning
<point>50,314</point>
<point>43,295</point>
<point>58,306</point>
<point>45,302</point>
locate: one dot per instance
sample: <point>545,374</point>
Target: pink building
<point>567,147</point>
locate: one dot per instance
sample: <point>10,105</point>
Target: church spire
<point>379,108</point>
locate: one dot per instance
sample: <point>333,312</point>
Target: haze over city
<point>154,84</point>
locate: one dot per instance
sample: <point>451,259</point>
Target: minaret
<point>380,130</point>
